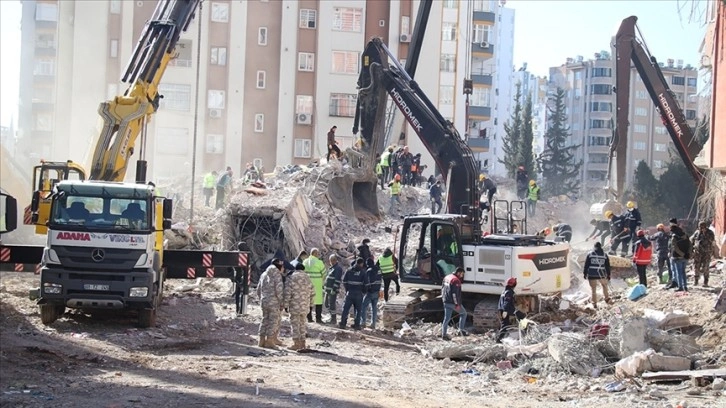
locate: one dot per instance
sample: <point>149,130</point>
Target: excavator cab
<point>45,177</point>
<point>430,249</point>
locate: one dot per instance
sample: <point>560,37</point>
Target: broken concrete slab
<point>649,360</point>
<point>471,352</point>
<point>634,337</point>
<point>575,353</point>
<point>685,375</point>
<point>666,320</point>
<point>672,344</point>
<point>720,305</point>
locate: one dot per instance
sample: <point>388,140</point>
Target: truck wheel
<point>48,313</point>
<point>147,318</point>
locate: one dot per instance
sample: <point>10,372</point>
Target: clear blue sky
<point>546,32</point>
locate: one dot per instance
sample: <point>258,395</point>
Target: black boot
<point>310,315</point>
<point>333,319</point>
<point>319,314</point>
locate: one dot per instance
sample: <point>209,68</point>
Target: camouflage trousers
<point>299,323</point>
<point>270,324</point>
<point>701,261</point>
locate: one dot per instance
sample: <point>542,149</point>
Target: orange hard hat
<point>660,227</point>
<point>398,177</point>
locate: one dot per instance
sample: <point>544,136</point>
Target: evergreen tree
<point>646,191</point>
<point>559,169</point>
<point>513,132</point>
<point>678,189</point>
<point>526,150</point>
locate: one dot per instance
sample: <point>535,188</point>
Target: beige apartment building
<point>274,76</point>
<point>590,105</point>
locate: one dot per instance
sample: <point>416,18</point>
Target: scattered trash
<point>472,371</point>
<point>504,365</point>
<point>530,379</point>
<point>637,292</point>
<point>616,386</point>
<point>599,331</point>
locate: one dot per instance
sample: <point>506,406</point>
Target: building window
<point>405,25</point>
<point>343,105</point>
<point>640,95</point>
<point>660,130</point>
<point>690,114</point>
<point>114,6</point>
<point>602,72</point>
<point>446,95</point>
<point>305,61</point>
<point>262,36</point>
<point>448,32</point>
<point>46,12</point>
<point>660,147</point>
<point>47,95</point>
<point>347,19</point>
<point>44,122</point>
<point>601,107</point>
<point>657,164</point>
<point>220,12</point>
<point>218,56</point>
<point>176,97</point>
<point>308,18</point>
<point>600,124</point>
<point>215,99</point>
<point>641,112</point>
<point>303,148</point>
<point>215,144</point>
<point>639,129</point>
<point>692,81</point>
<point>304,104</point>
<point>481,33</point>
<point>601,89</point>
<point>598,141</point>
<point>172,141</point>
<point>184,54</point>
<point>261,76</point>
<point>639,145</point>
<point>448,63</point>
<point>578,75</point>
<point>678,80</point>
<point>578,93</point>
<point>113,49</point>
<point>259,122</point>
<point>44,66</point>
<point>451,4</point>
<point>345,62</point>
<point>479,97</point>
<point>45,40</point>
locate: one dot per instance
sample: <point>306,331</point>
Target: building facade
<point>273,76</point>
<point>590,106</point>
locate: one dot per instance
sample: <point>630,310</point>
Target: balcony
<point>484,16</point>
<point>597,149</point>
<point>45,51</point>
<point>482,79</point>
<point>597,167</point>
<point>478,144</point>
<point>43,105</point>
<point>480,112</point>
<point>482,49</point>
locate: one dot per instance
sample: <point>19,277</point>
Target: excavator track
<point>486,314</point>
<point>408,306</point>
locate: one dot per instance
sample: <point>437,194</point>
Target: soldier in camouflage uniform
<point>299,298</point>
<point>270,293</point>
<point>702,241</point>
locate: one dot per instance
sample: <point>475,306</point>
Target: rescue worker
<point>544,232</point>
<point>487,185</point>
<point>601,231</point>
<point>386,165</point>
<point>301,257</point>
<point>224,181</point>
<point>395,192</point>
<point>287,269</point>
<point>373,289</point>
<point>208,187</point>
<point>620,233</point>
<point>702,241</point>
<point>563,231</point>
<point>632,223</point>
<point>333,144</point>
<point>299,297</point>
<point>451,296</point>
<point>660,238</point>
<point>405,161</point>
<point>387,265</point>
<point>379,171</point>
<point>364,251</point>
<point>597,270</point>
<point>332,287</point>
<point>507,308</point>
<point>435,193</point>
<point>315,268</point>
<point>270,292</point>
<point>354,282</point>
<point>642,256</point>
<point>680,247</point>
<point>532,198</point>
<point>521,179</point>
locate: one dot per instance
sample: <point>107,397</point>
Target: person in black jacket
<point>522,180</point>
<point>435,194</point>
<point>621,234</point>
<point>602,230</point>
<point>332,286</point>
<point>289,267</point>
<point>373,274</point>
<point>355,282</point>
<point>597,270</point>
<point>632,223</point>
<point>680,247</point>
<point>364,251</point>
<point>507,309</point>
<point>562,230</point>
<point>661,238</point>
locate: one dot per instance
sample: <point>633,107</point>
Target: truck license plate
<point>89,286</point>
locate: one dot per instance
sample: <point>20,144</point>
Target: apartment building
<point>273,76</point>
<point>590,105</point>
<point>534,87</point>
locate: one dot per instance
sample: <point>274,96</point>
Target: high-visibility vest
<point>533,193</point>
<point>454,247</point>
<point>395,188</point>
<point>209,181</point>
<point>386,264</point>
<point>384,158</point>
<point>379,170</point>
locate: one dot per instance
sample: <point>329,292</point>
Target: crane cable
<point>196,114</point>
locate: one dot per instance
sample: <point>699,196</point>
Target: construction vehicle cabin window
<point>100,213</point>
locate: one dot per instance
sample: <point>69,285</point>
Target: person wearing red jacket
<point>642,257</point>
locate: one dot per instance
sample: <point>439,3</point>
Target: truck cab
<point>104,249</point>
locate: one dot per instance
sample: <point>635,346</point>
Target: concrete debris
<point>470,352</point>
<point>720,305</point>
<point>574,352</point>
<point>633,337</point>
<point>672,344</point>
<point>666,320</point>
<point>649,360</point>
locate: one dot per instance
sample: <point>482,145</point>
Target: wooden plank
<point>684,375</point>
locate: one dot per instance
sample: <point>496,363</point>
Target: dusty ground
<point>201,354</point>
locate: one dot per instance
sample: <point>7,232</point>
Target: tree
<point>526,152</point>
<point>677,188</point>
<point>560,170</point>
<point>512,134</point>
<point>646,191</point>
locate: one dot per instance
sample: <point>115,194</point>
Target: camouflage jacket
<point>269,288</point>
<point>703,241</point>
<point>299,293</point>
